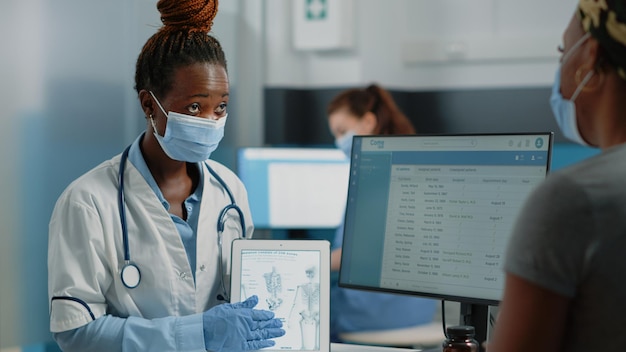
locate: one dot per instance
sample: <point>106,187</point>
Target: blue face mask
<point>189,138</point>
<point>565,110</point>
<point>345,143</point>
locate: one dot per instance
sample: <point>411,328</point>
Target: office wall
<point>69,105</point>
<point>9,316</point>
<point>297,116</point>
<point>388,35</point>
<point>453,66</point>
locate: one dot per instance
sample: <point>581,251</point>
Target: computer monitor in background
<point>295,188</point>
<point>431,215</point>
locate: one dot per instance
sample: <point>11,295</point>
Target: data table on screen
<point>438,223</point>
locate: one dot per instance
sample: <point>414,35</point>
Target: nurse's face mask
<point>189,138</point>
<point>345,143</point>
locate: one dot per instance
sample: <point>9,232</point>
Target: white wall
<point>9,94</point>
<point>67,103</point>
<point>20,89</point>
<point>387,32</point>
<point>239,27</point>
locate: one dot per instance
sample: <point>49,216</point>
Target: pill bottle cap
<point>460,331</point>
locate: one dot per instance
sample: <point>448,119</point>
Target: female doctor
<point>139,246</point>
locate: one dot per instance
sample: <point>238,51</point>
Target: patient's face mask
<point>189,138</point>
<point>564,110</point>
<point>345,143</point>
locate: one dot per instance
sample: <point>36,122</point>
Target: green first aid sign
<point>316,10</point>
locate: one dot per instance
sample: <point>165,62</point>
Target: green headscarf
<point>606,21</point>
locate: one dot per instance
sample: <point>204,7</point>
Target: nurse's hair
<point>389,118</point>
<point>181,41</point>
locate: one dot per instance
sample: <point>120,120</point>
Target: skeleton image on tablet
<point>274,286</point>
<point>291,277</point>
<point>306,302</point>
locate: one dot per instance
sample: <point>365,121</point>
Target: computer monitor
<point>431,215</point>
<point>295,187</point>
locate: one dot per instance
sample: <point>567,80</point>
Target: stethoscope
<point>131,275</point>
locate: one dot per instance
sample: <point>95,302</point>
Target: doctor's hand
<point>238,327</point>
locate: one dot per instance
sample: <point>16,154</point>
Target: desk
<point>344,347</point>
<point>421,336</point>
<point>334,347</point>
<point>38,347</point>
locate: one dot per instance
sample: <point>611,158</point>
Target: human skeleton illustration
<point>273,284</point>
<point>307,298</point>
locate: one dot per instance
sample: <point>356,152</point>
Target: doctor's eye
<point>194,108</point>
<point>221,108</point>
<point>560,48</point>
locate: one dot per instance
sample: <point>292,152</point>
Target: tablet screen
<point>290,279</point>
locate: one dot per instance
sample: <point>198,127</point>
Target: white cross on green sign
<point>316,9</point>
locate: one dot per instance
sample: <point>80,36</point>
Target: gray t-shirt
<point>570,238</point>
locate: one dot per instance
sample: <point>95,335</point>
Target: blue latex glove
<point>238,327</point>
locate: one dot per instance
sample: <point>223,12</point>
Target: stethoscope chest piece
<point>131,275</point>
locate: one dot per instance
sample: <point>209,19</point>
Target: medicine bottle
<point>460,339</point>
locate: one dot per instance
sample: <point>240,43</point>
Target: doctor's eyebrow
<point>224,95</point>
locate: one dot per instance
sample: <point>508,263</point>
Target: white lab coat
<point>86,252</point>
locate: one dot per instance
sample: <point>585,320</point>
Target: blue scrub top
<point>358,310</point>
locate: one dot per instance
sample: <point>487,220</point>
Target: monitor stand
<point>476,315</point>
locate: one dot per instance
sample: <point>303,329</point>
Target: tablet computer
<point>292,279</point>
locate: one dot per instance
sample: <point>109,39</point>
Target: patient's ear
<point>369,123</point>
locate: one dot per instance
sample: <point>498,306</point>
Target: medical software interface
<point>437,211</point>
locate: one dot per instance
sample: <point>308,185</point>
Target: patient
<point>565,265</point>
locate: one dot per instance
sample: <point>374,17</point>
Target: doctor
<point>139,246</point>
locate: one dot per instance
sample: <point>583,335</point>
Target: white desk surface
<point>344,347</point>
<point>421,335</point>
<point>334,347</point>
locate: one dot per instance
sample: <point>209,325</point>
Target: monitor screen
<point>431,215</point>
<point>295,188</point>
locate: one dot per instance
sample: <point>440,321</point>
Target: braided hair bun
<point>192,15</point>
<point>183,40</point>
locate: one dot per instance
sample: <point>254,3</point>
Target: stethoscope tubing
<point>122,204</point>
<point>220,223</point>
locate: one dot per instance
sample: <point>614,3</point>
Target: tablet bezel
<point>323,246</point>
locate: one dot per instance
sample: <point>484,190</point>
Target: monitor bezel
<point>446,297</point>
